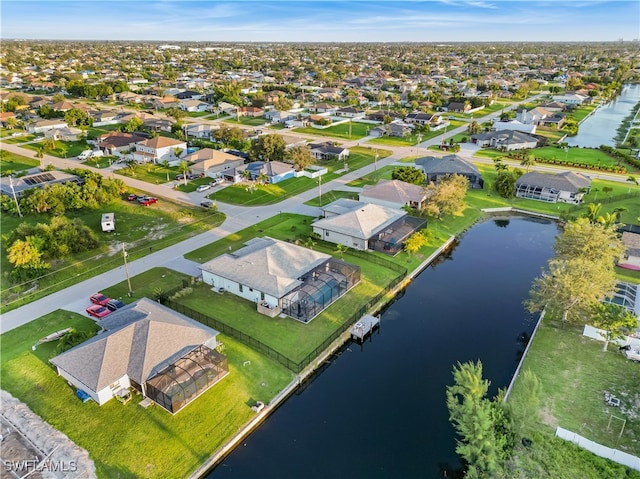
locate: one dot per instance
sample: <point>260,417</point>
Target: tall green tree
<point>408,174</point>
<point>594,242</point>
<point>300,156</point>
<point>447,196</point>
<point>268,148</point>
<point>470,412</point>
<point>615,320</point>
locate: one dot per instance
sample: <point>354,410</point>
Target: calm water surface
<point>600,128</point>
<point>379,411</point>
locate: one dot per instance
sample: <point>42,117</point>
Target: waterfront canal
<point>379,411</point>
<point>600,128</point>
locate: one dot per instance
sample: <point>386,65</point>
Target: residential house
<point>158,124</point>
<point>541,117</point>
<point>631,242</point>
<point>159,149</point>
<point>514,125</point>
<point>395,129</point>
<point>505,140</point>
<point>189,95</point>
<point>394,194</point>
<point>323,108</point>
<point>129,97</point>
<point>212,163</point>
<point>328,151</point>
<point>18,186</point>
<point>199,130</point>
<point>571,99</point>
<point>421,118</point>
<point>281,277</point>
<point>62,106</point>
<point>6,117</point>
<point>104,117</point>
<point>370,226</point>
<point>458,107</point>
<point>350,112</point>
<point>116,143</point>
<point>381,115</point>
<point>280,116</point>
<point>566,187</point>
<point>251,111</point>
<point>193,106</point>
<point>275,171</point>
<point>150,348</point>
<point>40,126</point>
<point>435,169</point>
<point>64,134</point>
<point>165,102</point>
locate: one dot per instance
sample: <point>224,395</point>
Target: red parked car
<point>100,299</point>
<point>98,311</point>
<point>148,201</point>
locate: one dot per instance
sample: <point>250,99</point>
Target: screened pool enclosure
<point>321,287</point>
<point>178,384</point>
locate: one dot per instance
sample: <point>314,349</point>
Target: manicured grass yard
<point>331,196</point>
<point>246,120</point>
<point>127,441</point>
<point>63,149</point>
<point>12,162</point>
<point>241,194</point>
<point>574,372</point>
<point>18,139</point>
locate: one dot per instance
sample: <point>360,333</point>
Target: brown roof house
<point>212,163</point>
<point>394,194</point>
<point>159,149</point>
<point>169,358</point>
<point>631,242</point>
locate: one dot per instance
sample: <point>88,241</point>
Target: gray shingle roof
<point>566,181</point>
<point>447,165</point>
<point>394,191</point>
<point>363,222</point>
<point>140,339</point>
<point>506,137</point>
<point>341,206</point>
<point>266,264</point>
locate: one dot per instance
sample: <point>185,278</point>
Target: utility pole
<point>375,161</point>
<point>14,196</point>
<point>320,188</point>
<point>126,268</point>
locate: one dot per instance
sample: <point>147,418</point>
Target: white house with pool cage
<point>281,277</point>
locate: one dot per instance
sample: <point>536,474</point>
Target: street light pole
<point>126,268</point>
<point>14,196</point>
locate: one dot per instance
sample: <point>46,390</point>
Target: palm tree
<point>263,178</point>
<point>40,155</point>
<point>184,168</point>
<point>528,162</point>
<point>341,249</point>
<point>593,212</point>
<point>246,174</point>
<point>165,164</point>
<point>633,180</point>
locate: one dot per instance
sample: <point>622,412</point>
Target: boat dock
<point>364,327</point>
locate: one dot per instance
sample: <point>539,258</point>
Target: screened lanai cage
<point>321,287</point>
<point>391,239</point>
<point>181,382</point>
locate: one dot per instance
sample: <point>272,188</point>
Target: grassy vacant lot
<point>63,149</point>
<point>553,134</point>
<point>139,227</point>
<point>581,113</point>
<point>12,162</point>
<point>589,156</point>
<point>246,120</point>
<point>155,174</point>
<point>574,372</point>
<point>331,196</point>
<point>127,441</point>
<point>358,130</point>
<point>372,178</point>
<point>241,194</point>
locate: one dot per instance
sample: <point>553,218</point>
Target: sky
<point>326,21</point>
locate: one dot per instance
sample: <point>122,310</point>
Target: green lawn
<point>242,194</point>
<point>12,162</point>
<point>331,196</point>
<point>574,372</point>
<point>358,130</point>
<point>139,227</point>
<point>63,149</point>
<point>552,134</point>
<point>19,139</point>
<point>372,178</point>
<point>581,113</point>
<point>246,120</point>
<point>159,445</point>
<point>154,174</point>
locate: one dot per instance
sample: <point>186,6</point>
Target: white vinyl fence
<point>599,450</point>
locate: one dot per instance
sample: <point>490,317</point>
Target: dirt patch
<point>548,418</point>
<point>31,446</point>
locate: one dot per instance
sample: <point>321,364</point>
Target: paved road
<point>74,298</point>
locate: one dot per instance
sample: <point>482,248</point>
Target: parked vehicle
<point>202,188</point>
<point>132,197</point>
<point>206,204</point>
<point>114,304</point>
<point>98,311</point>
<point>216,182</point>
<point>99,299</point>
<point>148,200</point>
<point>85,155</point>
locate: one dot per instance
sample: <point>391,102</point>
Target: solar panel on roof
<point>41,178</point>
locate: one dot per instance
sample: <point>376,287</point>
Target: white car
<point>203,188</point>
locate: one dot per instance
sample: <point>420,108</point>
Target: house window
<point>261,296</point>
<point>240,288</point>
<point>326,233</point>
